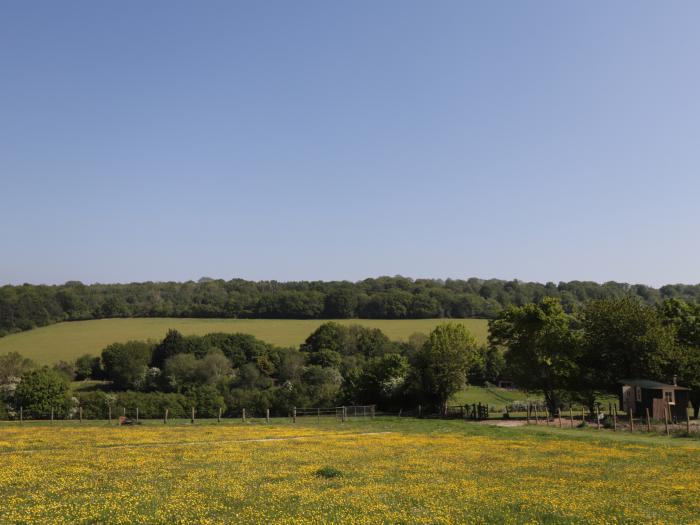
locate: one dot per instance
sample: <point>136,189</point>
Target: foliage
<point>440,367</point>
<point>40,391</point>
<point>542,351</point>
<point>88,366</point>
<point>126,364</point>
<point>28,306</point>
<point>625,338</point>
<point>150,404</point>
<point>328,472</point>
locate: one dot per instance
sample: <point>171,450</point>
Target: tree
<point>173,343</point>
<point>179,371</point>
<point>489,366</point>
<point>87,367</point>
<point>206,400</point>
<point>381,381</point>
<point>328,336</point>
<point>684,318</point>
<point>40,391</point>
<point>213,368</point>
<point>126,364</point>
<point>542,350</point>
<point>441,366</point>
<point>341,304</point>
<point>13,366</point>
<point>625,338</point>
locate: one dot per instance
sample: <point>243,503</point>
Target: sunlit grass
<point>383,471</point>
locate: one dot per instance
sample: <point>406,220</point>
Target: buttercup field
<point>381,471</point>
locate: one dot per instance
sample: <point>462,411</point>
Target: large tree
<point>542,350</point>
<point>440,367</point>
<point>685,319</point>
<point>626,338</point>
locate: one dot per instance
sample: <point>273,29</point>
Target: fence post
<point>165,418</point>
<point>267,415</point>
<point>345,414</point>
<point>243,414</point>
<point>373,406</point>
<point>583,414</point>
<point>137,414</point>
<point>648,420</point>
<point>527,413</point>
<point>687,420</point>
<point>631,420</point>
<point>109,413</point>
<point>52,415</point>
<point>571,416</point>
<point>318,415</point>
<point>546,415</point>
<point>192,419</point>
<point>21,415</point>
<point>80,410</point>
<point>559,417</point>
<point>597,417</point>
<point>666,417</point>
<point>537,417</point>
<point>614,415</point>
<point>420,410</point>
<point>294,415</point>
<point>218,420</point>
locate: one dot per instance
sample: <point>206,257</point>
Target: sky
<point>314,140</point>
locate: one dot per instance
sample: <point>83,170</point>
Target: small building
<point>638,395</point>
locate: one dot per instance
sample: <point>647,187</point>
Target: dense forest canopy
<point>28,306</point>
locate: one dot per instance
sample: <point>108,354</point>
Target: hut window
<point>638,394</point>
<point>668,397</point>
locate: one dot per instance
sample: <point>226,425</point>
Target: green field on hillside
<point>69,340</point>
<point>492,396</point>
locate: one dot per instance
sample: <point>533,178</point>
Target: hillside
<point>66,341</point>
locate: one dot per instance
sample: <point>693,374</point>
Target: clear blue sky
<point>341,140</point>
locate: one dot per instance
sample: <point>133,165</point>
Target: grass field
<point>69,340</point>
<point>372,471</point>
<point>493,397</point>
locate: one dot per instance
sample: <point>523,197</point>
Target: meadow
<point>66,341</point>
<point>386,470</point>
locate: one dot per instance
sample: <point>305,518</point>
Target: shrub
<point>328,472</point>
<point>40,391</point>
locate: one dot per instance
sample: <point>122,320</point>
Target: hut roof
<point>652,385</point>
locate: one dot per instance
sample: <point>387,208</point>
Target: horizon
<point>314,141</point>
<point>352,281</point>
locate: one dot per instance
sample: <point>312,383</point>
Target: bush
<point>41,391</point>
<point>328,472</point>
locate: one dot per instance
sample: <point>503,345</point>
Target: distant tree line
<point>28,306</point>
